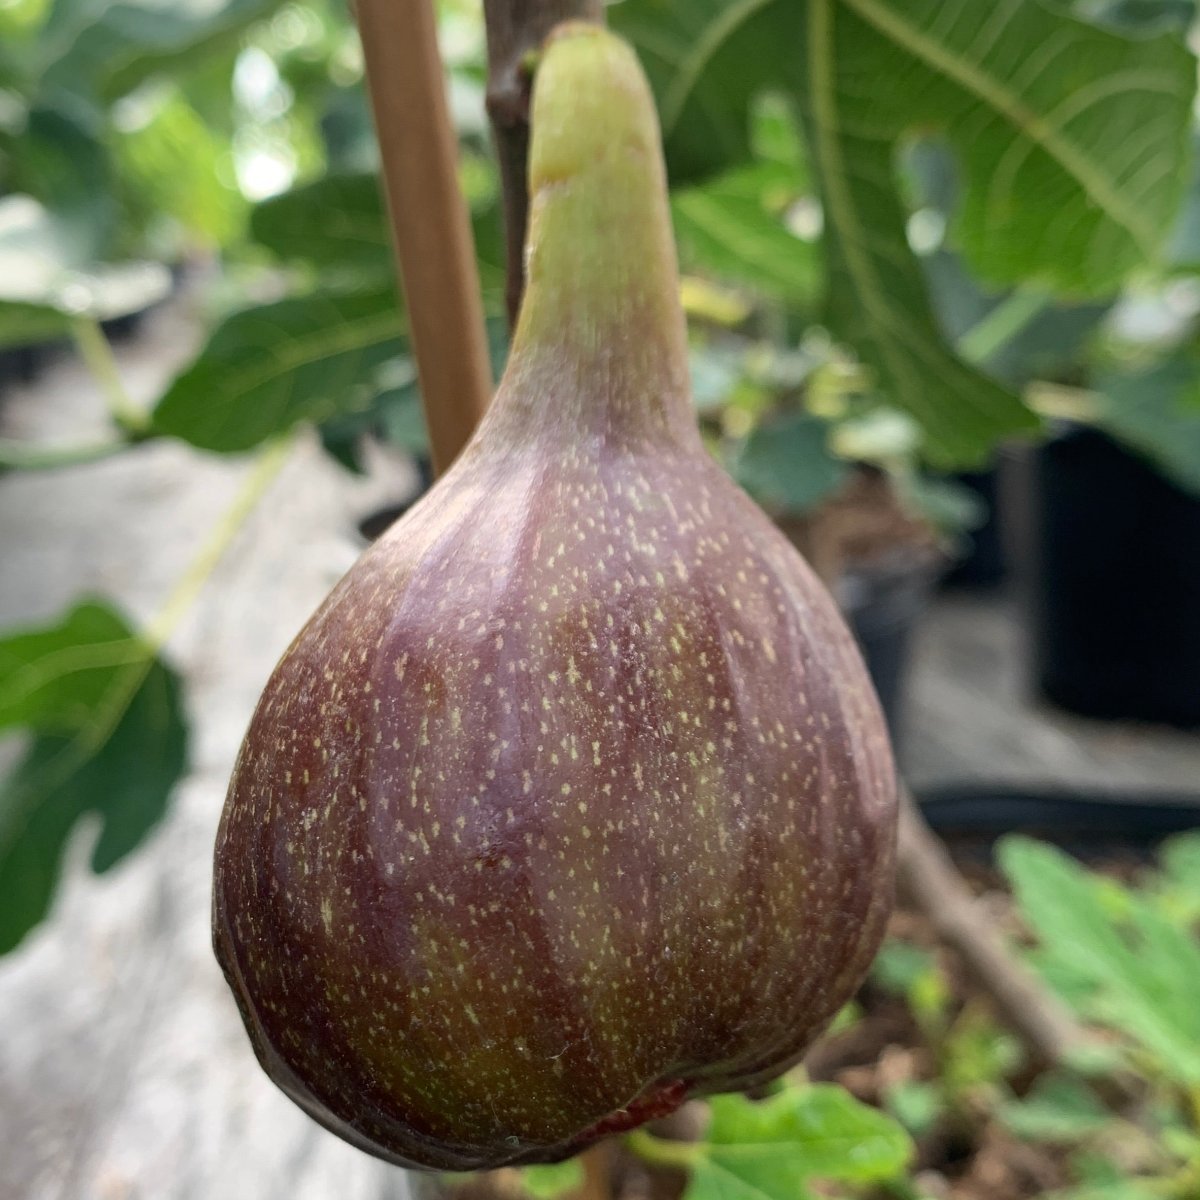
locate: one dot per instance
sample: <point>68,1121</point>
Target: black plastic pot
<point>20,364</point>
<point>1115,591</point>
<point>377,523</point>
<point>883,602</point>
<point>982,563</point>
<point>974,816</point>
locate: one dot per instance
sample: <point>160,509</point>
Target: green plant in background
<point>971,1056</point>
<point>803,1135</point>
<point>1127,960</point>
<point>776,1147</point>
<point>107,166</point>
<point>1125,1117</point>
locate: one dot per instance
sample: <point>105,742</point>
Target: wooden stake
<point>430,225</point>
<point>929,881</point>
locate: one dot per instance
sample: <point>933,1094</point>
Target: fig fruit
<point>574,799</point>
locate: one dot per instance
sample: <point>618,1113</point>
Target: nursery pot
<point>883,600</point>
<point>1115,590</point>
<point>1089,824</point>
<point>982,564</point>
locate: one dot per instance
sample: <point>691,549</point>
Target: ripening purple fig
<point>574,799</point>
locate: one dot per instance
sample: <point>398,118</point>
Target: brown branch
<point>430,226</point>
<point>929,881</point>
<point>597,1182</point>
<point>515,30</point>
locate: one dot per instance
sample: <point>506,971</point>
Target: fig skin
<point>574,799</point>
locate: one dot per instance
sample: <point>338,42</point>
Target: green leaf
<point>338,224</point>
<point>61,159</point>
<point>977,1052</point>
<point>1154,414</point>
<point>54,679</point>
<point>265,369</point>
<point>391,407</point>
<point>899,965</point>
<point>1053,188</point>
<point>101,49</point>
<point>120,762</point>
<point>545,1183</point>
<point>1058,1108</point>
<point>786,465</point>
<point>877,296</point>
<point>1137,974</point>
<point>916,1104</point>
<point>707,60</point>
<point>1072,157</point>
<point>769,1150</point>
<point>391,410</point>
<point>1179,885</point>
<point>172,169</point>
<point>713,1181</point>
<point>734,227</point>
<point>1123,1189</point>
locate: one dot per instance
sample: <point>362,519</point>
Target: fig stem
<point>600,345</point>
<point>601,251</point>
<point>515,31</point>
<point>661,1153</point>
<point>431,230</point>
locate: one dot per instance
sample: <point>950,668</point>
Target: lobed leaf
<point>267,368</point>
<point>1137,975</point>
<point>1073,158</point>
<point>110,740</point>
<point>769,1150</point>
<point>55,679</point>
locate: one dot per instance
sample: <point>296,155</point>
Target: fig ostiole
<point>574,799</point>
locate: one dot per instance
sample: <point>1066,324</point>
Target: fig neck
<point>601,342</point>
